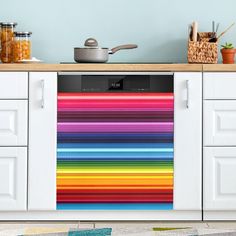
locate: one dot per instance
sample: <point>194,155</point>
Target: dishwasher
<point>115,141</point>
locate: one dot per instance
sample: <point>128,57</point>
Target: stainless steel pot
<point>92,53</point>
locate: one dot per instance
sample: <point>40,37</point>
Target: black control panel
<point>162,83</point>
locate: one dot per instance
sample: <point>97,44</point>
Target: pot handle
<point>121,47</point>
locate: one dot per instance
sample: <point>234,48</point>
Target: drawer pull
<point>188,94</point>
<point>42,98</point>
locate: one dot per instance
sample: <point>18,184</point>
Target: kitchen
<point>201,91</point>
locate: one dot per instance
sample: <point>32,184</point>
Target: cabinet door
<point>219,178</point>
<point>220,85</point>
<point>188,141</point>
<point>219,123</point>
<point>13,122</point>
<point>13,178</point>
<point>42,140</point>
<point>14,85</point>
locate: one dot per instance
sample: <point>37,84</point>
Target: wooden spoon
<point>213,40</point>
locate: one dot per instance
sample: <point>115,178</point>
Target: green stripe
<point>114,167</point>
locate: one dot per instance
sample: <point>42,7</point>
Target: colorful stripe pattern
<point>115,151</point>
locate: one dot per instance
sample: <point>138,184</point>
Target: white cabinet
<point>38,195</point>
<point>220,178</point>
<point>220,85</point>
<point>219,156</point>
<point>42,140</point>
<point>13,178</point>
<point>14,85</point>
<point>219,122</point>
<point>13,140</point>
<point>13,122</point>
<point>188,141</point>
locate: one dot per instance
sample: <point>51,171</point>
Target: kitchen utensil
<point>195,30</point>
<point>217,27</point>
<point>213,26</point>
<point>190,32</point>
<point>92,53</point>
<point>214,32</point>
<point>226,30</point>
<point>215,39</point>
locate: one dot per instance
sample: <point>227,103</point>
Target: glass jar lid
<point>8,24</point>
<point>22,34</point>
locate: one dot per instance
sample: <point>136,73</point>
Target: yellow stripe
<point>113,177</point>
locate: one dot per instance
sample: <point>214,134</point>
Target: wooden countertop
<point>219,67</point>
<point>101,67</point>
<point>120,67</point>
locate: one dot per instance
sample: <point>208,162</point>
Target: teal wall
<point>159,27</point>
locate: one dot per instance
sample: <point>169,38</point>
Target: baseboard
<point>219,215</point>
<point>101,215</point>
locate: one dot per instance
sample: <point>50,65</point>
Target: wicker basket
<point>203,51</point>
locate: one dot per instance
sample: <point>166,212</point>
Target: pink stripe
<point>115,105</point>
<point>115,96</point>
<point>110,127</point>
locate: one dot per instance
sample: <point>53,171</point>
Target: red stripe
<point>114,191</point>
<point>115,198</point>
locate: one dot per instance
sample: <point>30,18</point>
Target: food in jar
<point>7,36</point>
<point>21,46</point>
<point>21,50</point>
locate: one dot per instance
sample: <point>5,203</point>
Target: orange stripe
<point>98,181</point>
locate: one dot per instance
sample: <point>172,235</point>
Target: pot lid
<point>91,43</point>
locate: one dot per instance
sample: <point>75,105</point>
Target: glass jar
<point>7,36</point>
<point>21,46</point>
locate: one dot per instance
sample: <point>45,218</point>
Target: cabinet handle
<point>188,94</point>
<point>42,96</point>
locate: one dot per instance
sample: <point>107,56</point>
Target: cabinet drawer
<point>13,122</point>
<point>13,176</point>
<point>219,85</point>
<point>219,126</point>
<point>219,188</point>
<point>13,85</point>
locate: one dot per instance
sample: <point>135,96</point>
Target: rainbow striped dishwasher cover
<point>115,151</point>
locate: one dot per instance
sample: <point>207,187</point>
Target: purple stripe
<point>83,127</point>
<point>119,119</point>
<point>115,109</point>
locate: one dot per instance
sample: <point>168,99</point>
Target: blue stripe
<point>107,155</point>
<point>114,135</point>
<point>113,159</point>
<point>114,206</point>
<point>115,150</point>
